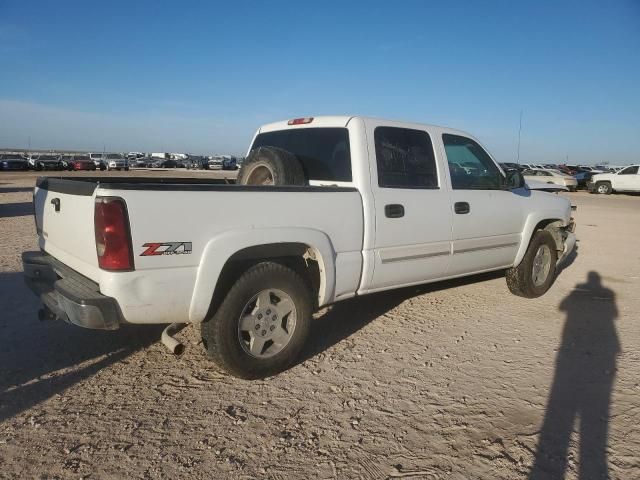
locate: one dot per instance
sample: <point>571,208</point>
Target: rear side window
<point>323,152</point>
<point>405,158</point>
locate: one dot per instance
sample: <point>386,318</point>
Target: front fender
<point>222,247</point>
<point>533,220</point>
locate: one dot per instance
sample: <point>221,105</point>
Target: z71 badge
<point>166,248</point>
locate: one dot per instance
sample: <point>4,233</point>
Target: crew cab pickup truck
<point>327,208</point>
<point>624,180</point>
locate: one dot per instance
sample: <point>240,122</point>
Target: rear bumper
<point>70,296</point>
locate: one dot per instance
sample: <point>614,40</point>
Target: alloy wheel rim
<point>267,323</point>
<point>541,265</point>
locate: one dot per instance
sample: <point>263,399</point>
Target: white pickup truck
<point>624,180</point>
<point>367,205</point>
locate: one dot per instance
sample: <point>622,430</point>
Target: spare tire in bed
<point>271,166</point>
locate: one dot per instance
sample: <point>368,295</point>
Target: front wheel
<point>262,323</point>
<point>604,188</point>
<point>537,270</point>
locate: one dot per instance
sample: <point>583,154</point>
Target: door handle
<point>394,210</point>
<point>461,207</point>
<point>56,204</point>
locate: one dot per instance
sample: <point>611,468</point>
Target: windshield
<point>47,157</point>
<point>81,157</point>
<point>323,152</point>
<point>115,156</point>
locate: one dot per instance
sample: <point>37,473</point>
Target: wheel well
<point>299,257</point>
<point>553,226</point>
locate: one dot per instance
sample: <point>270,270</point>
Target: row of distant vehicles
<point>572,177</point>
<point>115,161</point>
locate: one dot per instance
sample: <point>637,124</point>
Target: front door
<point>628,179</point>
<point>487,219</point>
<point>413,218</point>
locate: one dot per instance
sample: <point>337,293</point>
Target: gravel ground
<point>459,380</point>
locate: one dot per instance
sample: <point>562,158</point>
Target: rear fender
<point>221,248</point>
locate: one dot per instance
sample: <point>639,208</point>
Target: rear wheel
<point>262,323</point>
<point>537,270</point>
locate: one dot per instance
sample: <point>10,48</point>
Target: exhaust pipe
<point>174,346</point>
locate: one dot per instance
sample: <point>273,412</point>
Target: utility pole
<point>519,132</point>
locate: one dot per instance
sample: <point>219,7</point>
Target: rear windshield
<point>81,157</point>
<point>323,152</point>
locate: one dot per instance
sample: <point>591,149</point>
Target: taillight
<point>300,121</point>
<point>113,239</point>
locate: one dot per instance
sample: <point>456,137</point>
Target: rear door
<point>64,212</point>
<point>412,207</point>
<point>487,220</point>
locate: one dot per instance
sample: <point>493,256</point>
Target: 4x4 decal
<point>166,248</point>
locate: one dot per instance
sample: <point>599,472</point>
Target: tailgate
<point>64,212</point>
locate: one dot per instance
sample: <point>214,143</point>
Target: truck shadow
<point>15,189</point>
<point>345,318</point>
<point>16,209</point>
<point>41,359</point>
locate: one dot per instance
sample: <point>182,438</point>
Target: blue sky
<point>202,76</point>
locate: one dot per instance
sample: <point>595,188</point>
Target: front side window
<point>629,171</point>
<point>405,158</point>
<point>471,168</point>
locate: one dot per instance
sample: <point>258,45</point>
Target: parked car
<point>141,162</point>
<point>229,163</point>
<point>116,161</point>
<point>343,214</point>
<point>45,162</point>
<point>511,166</point>
<point>583,178</point>
<point>65,162</point>
<point>550,176</point>
<point>625,180</point>
<point>169,163</point>
<point>13,162</point>
<point>196,162</point>
<point>216,162</point>
<point>81,162</point>
<point>98,160</point>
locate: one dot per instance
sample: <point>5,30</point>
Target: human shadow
<point>16,209</point>
<point>345,318</point>
<point>39,360</point>
<point>582,385</point>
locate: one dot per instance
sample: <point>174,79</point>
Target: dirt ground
<point>460,380</point>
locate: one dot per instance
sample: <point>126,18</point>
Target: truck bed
<point>208,215</point>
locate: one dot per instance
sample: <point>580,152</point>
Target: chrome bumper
<point>68,295</point>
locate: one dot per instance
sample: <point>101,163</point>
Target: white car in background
<point>116,161</point>
<point>550,176</point>
<point>625,180</point>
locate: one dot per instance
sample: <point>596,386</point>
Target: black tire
<point>603,188</point>
<point>271,166</point>
<point>220,332</point>
<point>520,279</point>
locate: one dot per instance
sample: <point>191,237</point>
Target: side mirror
<point>514,179</point>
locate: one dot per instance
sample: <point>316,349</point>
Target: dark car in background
<point>168,163</point>
<point>13,162</point>
<point>583,178</point>
<point>229,163</point>
<point>81,162</point>
<point>46,162</point>
<point>196,162</point>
